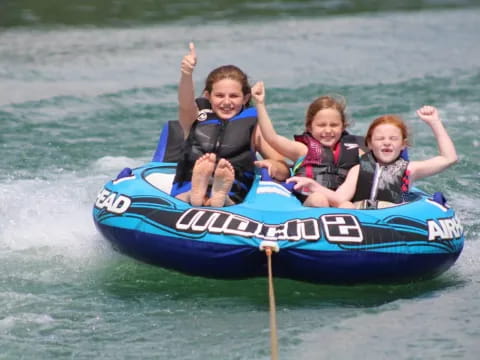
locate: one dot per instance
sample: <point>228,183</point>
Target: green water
<point>85,88</point>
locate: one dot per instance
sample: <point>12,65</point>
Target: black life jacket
<point>229,139</point>
<point>392,182</point>
<point>320,164</point>
<point>171,143</point>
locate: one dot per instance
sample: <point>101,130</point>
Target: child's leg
<point>222,183</point>
<point>202,171</point>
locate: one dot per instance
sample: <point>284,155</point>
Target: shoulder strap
<point>170,143</point>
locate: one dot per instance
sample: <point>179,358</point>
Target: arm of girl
<point>447,153</point>
<point>289,148</point>
<point>345,192</point>
<point>273,161</point>
<point>187,109</point>
<point>277,169</point>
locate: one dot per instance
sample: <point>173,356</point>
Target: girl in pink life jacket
<point>325,152</point>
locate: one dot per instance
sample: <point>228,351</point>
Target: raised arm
<point>447,153</point>
<point>272,160</point>
<point>187,109</point>
<point>289,148</point>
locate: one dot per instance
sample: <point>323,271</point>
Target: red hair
<point>388,119</point>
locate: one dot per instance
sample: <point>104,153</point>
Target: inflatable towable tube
<point>415,240</point>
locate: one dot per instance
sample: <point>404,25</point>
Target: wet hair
<point>228,72</point>
<point>388,119</point>
<point>326,102</point>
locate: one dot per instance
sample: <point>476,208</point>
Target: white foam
<point>114,164</point>
<point>52,215</point>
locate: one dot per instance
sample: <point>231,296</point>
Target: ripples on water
<point>84,91</point>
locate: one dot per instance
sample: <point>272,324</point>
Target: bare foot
<point>222,183</point>
<point>202,171</point>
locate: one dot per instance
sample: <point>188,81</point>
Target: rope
<point>271,297</point>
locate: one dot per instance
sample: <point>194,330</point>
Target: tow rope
<point>268,246</point>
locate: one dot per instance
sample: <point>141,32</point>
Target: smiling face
<point>227,98</point>
<point>386,143</point>
<point>327,127</point>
